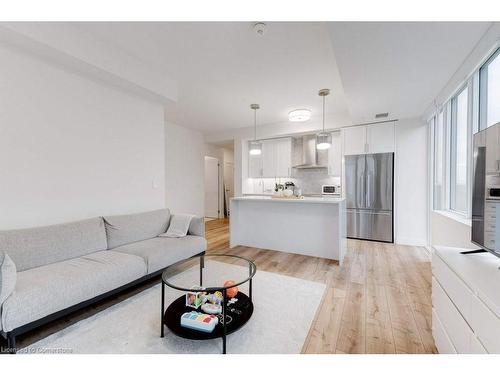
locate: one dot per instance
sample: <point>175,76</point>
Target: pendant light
<point>255,146</point>
<point>323,139</point>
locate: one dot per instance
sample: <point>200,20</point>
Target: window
<point>438,135</point>
<point>489,91</point>
<point>473,108</point>
<point>458,147</point>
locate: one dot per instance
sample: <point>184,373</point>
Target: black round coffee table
<point>214,270</point>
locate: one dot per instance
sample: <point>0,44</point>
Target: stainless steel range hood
<point>309,154</point>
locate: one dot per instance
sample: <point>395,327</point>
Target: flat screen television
<point>486,190</point>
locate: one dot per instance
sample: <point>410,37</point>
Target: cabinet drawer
<point>486,325</point>
<point>454,324</point>
<point>441,339</point>
<point>456,289</point>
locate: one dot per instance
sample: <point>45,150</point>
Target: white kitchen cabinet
<point>368,139</point>
<point>354,140</point>
<point>335,156</point>
<point>255,166</point>
<point>283,157</point>
<point>268,158</point>
<point>274,161</point>
<point>380,138</point>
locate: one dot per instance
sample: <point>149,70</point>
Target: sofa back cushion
<point>125,229</point>
<point>35,247</point>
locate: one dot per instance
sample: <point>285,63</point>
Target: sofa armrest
<point>197,226</point>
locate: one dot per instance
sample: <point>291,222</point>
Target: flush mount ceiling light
<point>260,28</point>
<point>299,115</point>
<point>255,146</point>
<point>323,139</point>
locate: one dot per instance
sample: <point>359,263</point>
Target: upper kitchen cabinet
<point>354,140</point>
<point>368,139</point>
<point>335,156</point>
<point>269,158</point>
<point>283,157</point>
<point>274,161</point>
<point>380,138</point>
<point>255,166</point>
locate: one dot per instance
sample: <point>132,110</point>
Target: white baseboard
<point>411,241</point>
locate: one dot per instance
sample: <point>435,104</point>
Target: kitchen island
<point>313,226</point>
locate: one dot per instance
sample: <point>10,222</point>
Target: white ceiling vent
<point>382,115</point>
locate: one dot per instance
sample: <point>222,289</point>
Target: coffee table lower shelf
<point>172,319</point>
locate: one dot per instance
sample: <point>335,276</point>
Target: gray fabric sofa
<point>61,267</point>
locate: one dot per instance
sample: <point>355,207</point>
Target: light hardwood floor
<point>379,301</point>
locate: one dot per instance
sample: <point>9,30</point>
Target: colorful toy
<point>194,299</point>
<point>215,298</point>
<point>231,292</point>
<point>211,308</point>
<point>199,321</point>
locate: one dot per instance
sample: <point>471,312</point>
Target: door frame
<point>218,184</point>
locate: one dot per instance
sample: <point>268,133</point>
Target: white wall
<point>411,182</point>
<point>184,185</point>
<point>72,148</point>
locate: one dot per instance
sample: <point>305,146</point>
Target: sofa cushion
<point>197,226</point>
<point>35,247</point>
<point>44,290</point>
<point>8,277</point>
<point>125,229</point>
<point>161,252</point>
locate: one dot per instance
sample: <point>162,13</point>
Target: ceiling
<point>399,67</point>
<point>223,67</point>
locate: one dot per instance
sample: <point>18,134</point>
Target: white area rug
<point>284,310</point>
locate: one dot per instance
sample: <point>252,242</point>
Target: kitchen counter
<point>314,226</point>
<point>262,198</point>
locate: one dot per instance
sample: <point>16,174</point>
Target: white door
<point>228,183</point>
<point>211,187</point>
<point>354,140</point>
<point>380,138</point>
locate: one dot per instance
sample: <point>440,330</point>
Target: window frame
<point>483,89</point>
<point>476,83</point>
<point>452,124</point>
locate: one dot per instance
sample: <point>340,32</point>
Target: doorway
<point>228,185</point>
<point>211,187</point>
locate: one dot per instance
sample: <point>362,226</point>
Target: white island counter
<point>309,226</point>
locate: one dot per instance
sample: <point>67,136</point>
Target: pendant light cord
<point>323,114</point>
<point>255,124</point>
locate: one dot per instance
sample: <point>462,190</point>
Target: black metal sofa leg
<point>11,343</point>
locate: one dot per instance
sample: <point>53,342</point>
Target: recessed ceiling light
<point>299,115</point>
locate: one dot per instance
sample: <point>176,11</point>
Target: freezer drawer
<point>370,225</point>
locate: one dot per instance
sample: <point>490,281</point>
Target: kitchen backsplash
<point>309,180</point>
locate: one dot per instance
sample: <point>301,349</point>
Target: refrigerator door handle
<point>359,197</point>
<point>368,190</point>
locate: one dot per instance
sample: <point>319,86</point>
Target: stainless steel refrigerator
<point>369,196</point>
